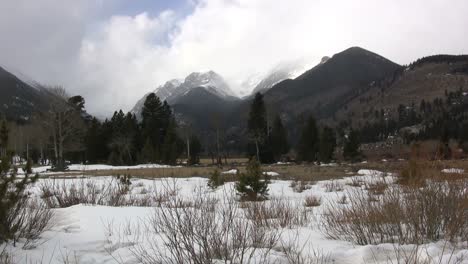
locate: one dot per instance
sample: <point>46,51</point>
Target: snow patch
<point>453,170</point>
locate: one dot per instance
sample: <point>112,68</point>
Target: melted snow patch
<point>453,170</point>
<point>370,172</point>
<point>233,171</point>
<point>271,173</point>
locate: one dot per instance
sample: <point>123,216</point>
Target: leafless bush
<point>333,186</point>
<point>63,194</point>
<point>401,215</point>
<point>416,254</point>
<point>376,187</point>
<point>300,186</point>
<point>27,222</point>
<point>312,201</point>
<point>208,230</point>
<point>295,253</point>
<point>5,256</point>
<point>36,218</point>
<point>343,199</point>
<point>356,182</point>
<point>276,213</point>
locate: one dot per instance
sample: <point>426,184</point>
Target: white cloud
<point>125,56</point>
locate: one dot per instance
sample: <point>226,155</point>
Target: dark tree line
<point>442,119</point>
<point>123,140</point>
<point>317,143</point>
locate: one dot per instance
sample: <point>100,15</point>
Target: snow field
<point>104,234</point>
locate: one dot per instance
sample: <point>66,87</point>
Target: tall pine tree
<point>279,139</point>
<point>257,130</point>
<point>327,145</point>
<point>351,147</point>
<point>308,143</point>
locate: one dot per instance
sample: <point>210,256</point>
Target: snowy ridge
<point>173,89</point>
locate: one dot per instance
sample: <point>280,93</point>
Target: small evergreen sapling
<point>215,180</point>
<point>13,195</point>
<point>253,185</point>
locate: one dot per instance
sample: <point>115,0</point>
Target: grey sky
<point>112,59</point>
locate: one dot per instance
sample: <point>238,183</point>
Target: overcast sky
<point>114,51</point>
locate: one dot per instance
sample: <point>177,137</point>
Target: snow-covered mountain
<point>172,90</point>
<point>262,82</point>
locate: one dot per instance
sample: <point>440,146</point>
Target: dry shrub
<point>343,199</point>
<point>28,221</point>
<point>276,213</point>
<point>413,174</point>
<point>37,218</point>
<point>401,215</point>
<point>207,231</point>
<point>417,254</point>
<point>356,182</point>
<point>312,201</point>
<point>376,187</point>
<point>306,253</point>
<point>333,186</point>
<point>300,186</point>
<point>6,257</point>
<point>87,191</point>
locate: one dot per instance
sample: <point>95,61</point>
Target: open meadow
<point>389,212</point>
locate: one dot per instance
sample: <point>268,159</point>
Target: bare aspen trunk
<point>188,149</point>
<point>60,146</point>
<point>55,143</point>
<point>258,151</point>
<point>218,158</point>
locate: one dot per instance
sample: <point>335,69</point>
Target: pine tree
<point>351,147</point>
<point>92,141</point>
<point>13,194</point>
<point>279,139</point>
<point>253,184</point>
<point>195,149</point>
<point>147,153</point>
<point>215,180</point>
<point>308,143</point>
<point>172,146</point>
<point>327,145</point>
<point>257,130</point>
<point>154,119</point>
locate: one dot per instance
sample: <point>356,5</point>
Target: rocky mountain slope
<point>19,100</point>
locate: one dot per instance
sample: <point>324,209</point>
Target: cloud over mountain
<point>114,60</point>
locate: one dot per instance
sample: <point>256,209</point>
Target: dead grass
<point>276,213</point>
<point>333,186</point>
<point>312,201</point>
<point>401,213</point>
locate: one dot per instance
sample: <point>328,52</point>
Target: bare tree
<point>65,125</point>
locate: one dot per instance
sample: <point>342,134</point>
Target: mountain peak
<point>172,90</point>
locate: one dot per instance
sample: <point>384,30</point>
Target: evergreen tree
<point>215,180</point>
<point>308,143</point>
<point>93,142</point>
<point>195,149</point>
<point>172,146</point>
<point>13,194</point>
<point>253,184</point>
<point>327,145</point>
<point>351,147</point>
<point>279,139</point>
<point>154,118</point>
<point>147,153</point>
<point>257,130</point>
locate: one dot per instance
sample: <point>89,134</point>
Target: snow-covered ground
<point>103,234</point>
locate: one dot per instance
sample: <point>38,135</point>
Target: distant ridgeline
<point>353,90</point>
